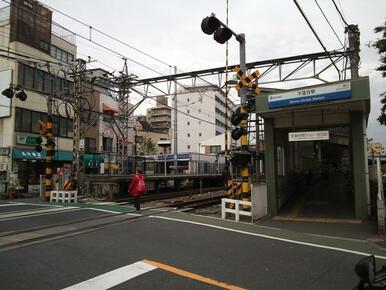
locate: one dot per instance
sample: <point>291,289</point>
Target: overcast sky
<point>170,31</point>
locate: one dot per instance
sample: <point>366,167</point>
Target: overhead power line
<point>340,14</point>
<point>108,35</point>
<point>316,35</point>
<point>325,17</point>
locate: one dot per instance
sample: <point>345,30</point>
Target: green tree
<point>380,45</point>
<point>147,147</point>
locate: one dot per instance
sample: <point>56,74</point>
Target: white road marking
<point>113,278</point>
<point>34,212</point>
<point>134,214</point>
<point>11,204</point>
<point>104,210</point>
<point>270,237</point>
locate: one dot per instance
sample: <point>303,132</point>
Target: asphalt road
<point>237,259</point>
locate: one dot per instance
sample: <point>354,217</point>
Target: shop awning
<point>107,108</point>
<point>93,160</point>
<point>29,154</point>
<point>63,155</point>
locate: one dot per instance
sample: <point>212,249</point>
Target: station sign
<point>310,95</point>
<point>308,136</point>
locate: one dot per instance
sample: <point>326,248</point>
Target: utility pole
<point>175,126</point>
<point>124,123</point>
<point>77,162</point>
<point>353,47</point>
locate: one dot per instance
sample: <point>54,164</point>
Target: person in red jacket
<point>137,187</point>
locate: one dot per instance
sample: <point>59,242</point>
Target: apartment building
<point>159,117</point>
<point>200,116</point>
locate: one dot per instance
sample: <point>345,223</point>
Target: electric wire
<point>113,51</point>
<point>119,54</point>
<point>340,14</point>
<point>332,28</point>
<point>316,35</point>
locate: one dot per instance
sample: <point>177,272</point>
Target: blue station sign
<point>310,95</point>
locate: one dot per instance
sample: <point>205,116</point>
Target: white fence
<point>236,211</point>
<point>64,196</point>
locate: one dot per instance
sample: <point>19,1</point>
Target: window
<point>188,146</point>
<point>47,86</point>
<point>107,144</point>
<point>63,127</point>
<point>38,80</point>
<point>188,100</point>
<point>26,121</point>
<point>35,122</point>
<point>55,127</point>
<point>188,123</point>
<point>90,145</point>
<point>28,76</point>
<point>188,134</point>
<point>18,119</point>
<point>199,134</point>
<point>44,45</point>
<point>215,149</point>
<point>188,111</point>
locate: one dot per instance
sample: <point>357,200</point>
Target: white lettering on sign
<point>308,136</point>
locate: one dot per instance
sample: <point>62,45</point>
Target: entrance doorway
<point>319,182</point>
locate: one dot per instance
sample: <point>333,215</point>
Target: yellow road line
<point>192,275</point>
<point>319,220</point>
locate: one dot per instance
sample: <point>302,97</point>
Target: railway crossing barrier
<point>236,211</point>
<point>64,196</point>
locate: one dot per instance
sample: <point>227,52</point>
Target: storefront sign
<point>26,140</point>
<point>4,151</point>
<point>308,136</point>
<point>310,95</point>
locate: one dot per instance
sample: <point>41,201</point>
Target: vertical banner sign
<point>5,103</point>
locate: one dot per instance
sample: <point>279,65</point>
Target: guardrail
<point>236,211</point>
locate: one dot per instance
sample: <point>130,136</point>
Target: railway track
<point>163,196</point>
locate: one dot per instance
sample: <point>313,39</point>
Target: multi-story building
<point>148,137</point>
<point>35,62</point>
<point>159,117</point>
<point>200,116</point>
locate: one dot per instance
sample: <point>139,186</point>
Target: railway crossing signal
<point>246,81</point>
<point>211,25</point>
<point>236,119</point>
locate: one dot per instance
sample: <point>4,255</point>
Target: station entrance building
<point>315,150</point>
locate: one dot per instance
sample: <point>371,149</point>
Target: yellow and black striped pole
<point>50,146</point>
<point>245,190</point>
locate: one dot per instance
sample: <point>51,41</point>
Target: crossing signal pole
<point>222,33</point>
